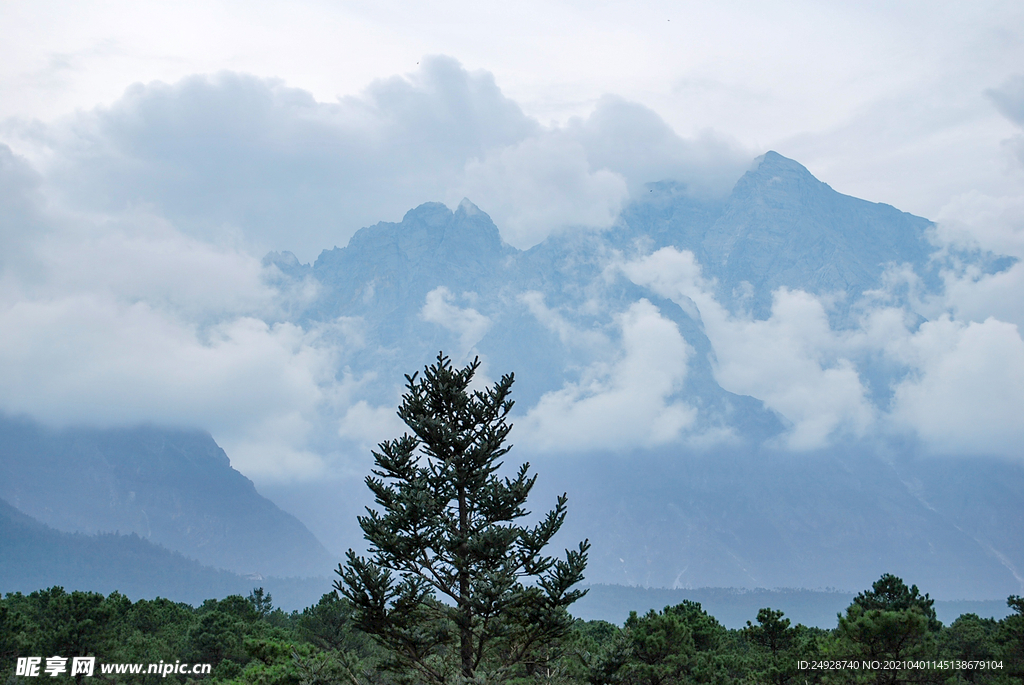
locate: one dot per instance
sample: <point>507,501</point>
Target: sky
<point>152,153</point>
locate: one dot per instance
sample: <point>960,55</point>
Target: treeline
<point>889,634</point>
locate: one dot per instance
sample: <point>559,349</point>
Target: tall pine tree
<point>448,529</point>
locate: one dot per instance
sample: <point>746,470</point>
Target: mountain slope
<point>767,519</point>
<point>780,226</point>
<point>34,556</point>
<point>173,487</point>
<point>783,227</point>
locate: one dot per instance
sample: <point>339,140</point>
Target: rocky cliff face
<point>783,227</point>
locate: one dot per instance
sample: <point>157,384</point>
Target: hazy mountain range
<point>35,556</point>
<point>654,384</point>
<point>175,488</point>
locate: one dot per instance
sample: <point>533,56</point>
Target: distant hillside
<point>34,556</point>
<point>175,488</point>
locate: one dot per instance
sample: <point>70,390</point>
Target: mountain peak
<point>774,159</point>
<point>771,167</point>
<point>783,227</point>
<point>433,214</point>
<point>775,179</point>
<point>468,208</point>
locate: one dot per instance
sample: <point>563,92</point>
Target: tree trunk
<point>465,610</point>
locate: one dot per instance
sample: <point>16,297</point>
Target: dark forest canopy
<point>246,640</point>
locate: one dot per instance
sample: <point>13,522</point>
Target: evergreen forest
<point>247,640</point>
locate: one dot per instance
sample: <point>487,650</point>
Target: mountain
<point>175,488</point>
<point>703,490</point>
<point>768,519</point>
<point>34,556</point>
<point>780,226</point>
<point>739,510</point>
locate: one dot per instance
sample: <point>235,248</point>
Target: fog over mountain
<point>174,488</point>
<point>741,376</point>
<point>35,556</point>
<point>745,425</point>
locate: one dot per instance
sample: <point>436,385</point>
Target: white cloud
<point>467,323</point>
<point>231,154</point>
<point>792,361</point>
<point>963,390</point>
<point>589,340</point>
<point>158,203</point>
<point>138,257</point>
<point>84,359</point>
<point>131,292</point>
<point>1009,99</point>
<point>20,224</point>
<point>967,395</point>
<point>624,402</point>
<point>582,173</point>
<point>119,318</point>
<point>973,221</point>
<point>541,185</point>
<point>885,99</point>
<point>238,159</point>
<point>635,142</point>
<point>368,426</point>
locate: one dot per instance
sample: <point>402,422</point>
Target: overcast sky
<point>151,153</point>
<point>887,100</point>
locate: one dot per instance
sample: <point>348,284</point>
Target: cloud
<point>233,155</point>
<point>132,289</point>
<point>584,172</point>
<point>588,340</point>
<point>967,395</point>
<point>19,200</point>
<point>467,323</point>
<point>792,361</point>
<point>624,402</point>
<point>238,159</point>
<point>119,318</point>
<point>1009,100</point>
<point>973,223</point>
<point>634,141</point>
<point>131,278</point>
<point>85,359</point>
<point>368,426</point>
<point>541,185</point>
<point>958,385</point>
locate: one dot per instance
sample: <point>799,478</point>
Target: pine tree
<point>448,529</point>
<point>894,625</point>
